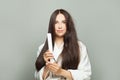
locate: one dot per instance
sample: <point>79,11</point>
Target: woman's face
<point>60,25</point>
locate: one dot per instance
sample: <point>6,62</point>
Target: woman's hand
<point>54,68</point>
<point>57,70</point>
<point>47,56</point>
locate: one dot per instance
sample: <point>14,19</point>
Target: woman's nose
<point>60,26</point>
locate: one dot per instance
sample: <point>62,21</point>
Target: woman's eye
<point>64,22</point>
<point>56,22</point>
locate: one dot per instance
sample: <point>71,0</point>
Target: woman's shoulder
<point>39,49</point>
<point>81,44</point>
<point>41,46</point>
<point>83,49</point>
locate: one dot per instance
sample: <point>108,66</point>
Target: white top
<point>84,68</point>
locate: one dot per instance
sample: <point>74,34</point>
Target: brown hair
<point>70,54</point>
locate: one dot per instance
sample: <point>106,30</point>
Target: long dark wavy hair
<point>71,52</point>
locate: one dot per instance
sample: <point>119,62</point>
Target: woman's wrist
<point>66,74</point>
<point>45,72</point>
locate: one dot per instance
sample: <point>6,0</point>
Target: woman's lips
<point>59,31</point>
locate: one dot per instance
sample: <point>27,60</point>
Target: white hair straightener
<point>50,47</point>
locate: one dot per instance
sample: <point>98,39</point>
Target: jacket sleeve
<point>38,75</point>
<point>84,68</point>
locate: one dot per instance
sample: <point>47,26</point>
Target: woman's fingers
<point>47,56</point>
<point>54,67</point>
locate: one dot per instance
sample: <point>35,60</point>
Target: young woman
<point>72,62</point>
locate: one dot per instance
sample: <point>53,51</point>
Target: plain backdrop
<point>24,24</point>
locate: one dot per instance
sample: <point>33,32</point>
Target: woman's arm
<point>39,73</point>
<point>66,74</point>
<point>84,68</point>
<point>83,72</point>
<point>57,70</point>
<point>45,73</point>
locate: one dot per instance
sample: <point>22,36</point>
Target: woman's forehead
<point>60,17</point>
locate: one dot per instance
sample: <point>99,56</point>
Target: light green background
<point>23,27</point>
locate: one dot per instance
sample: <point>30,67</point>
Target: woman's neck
<point>59,41</point>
